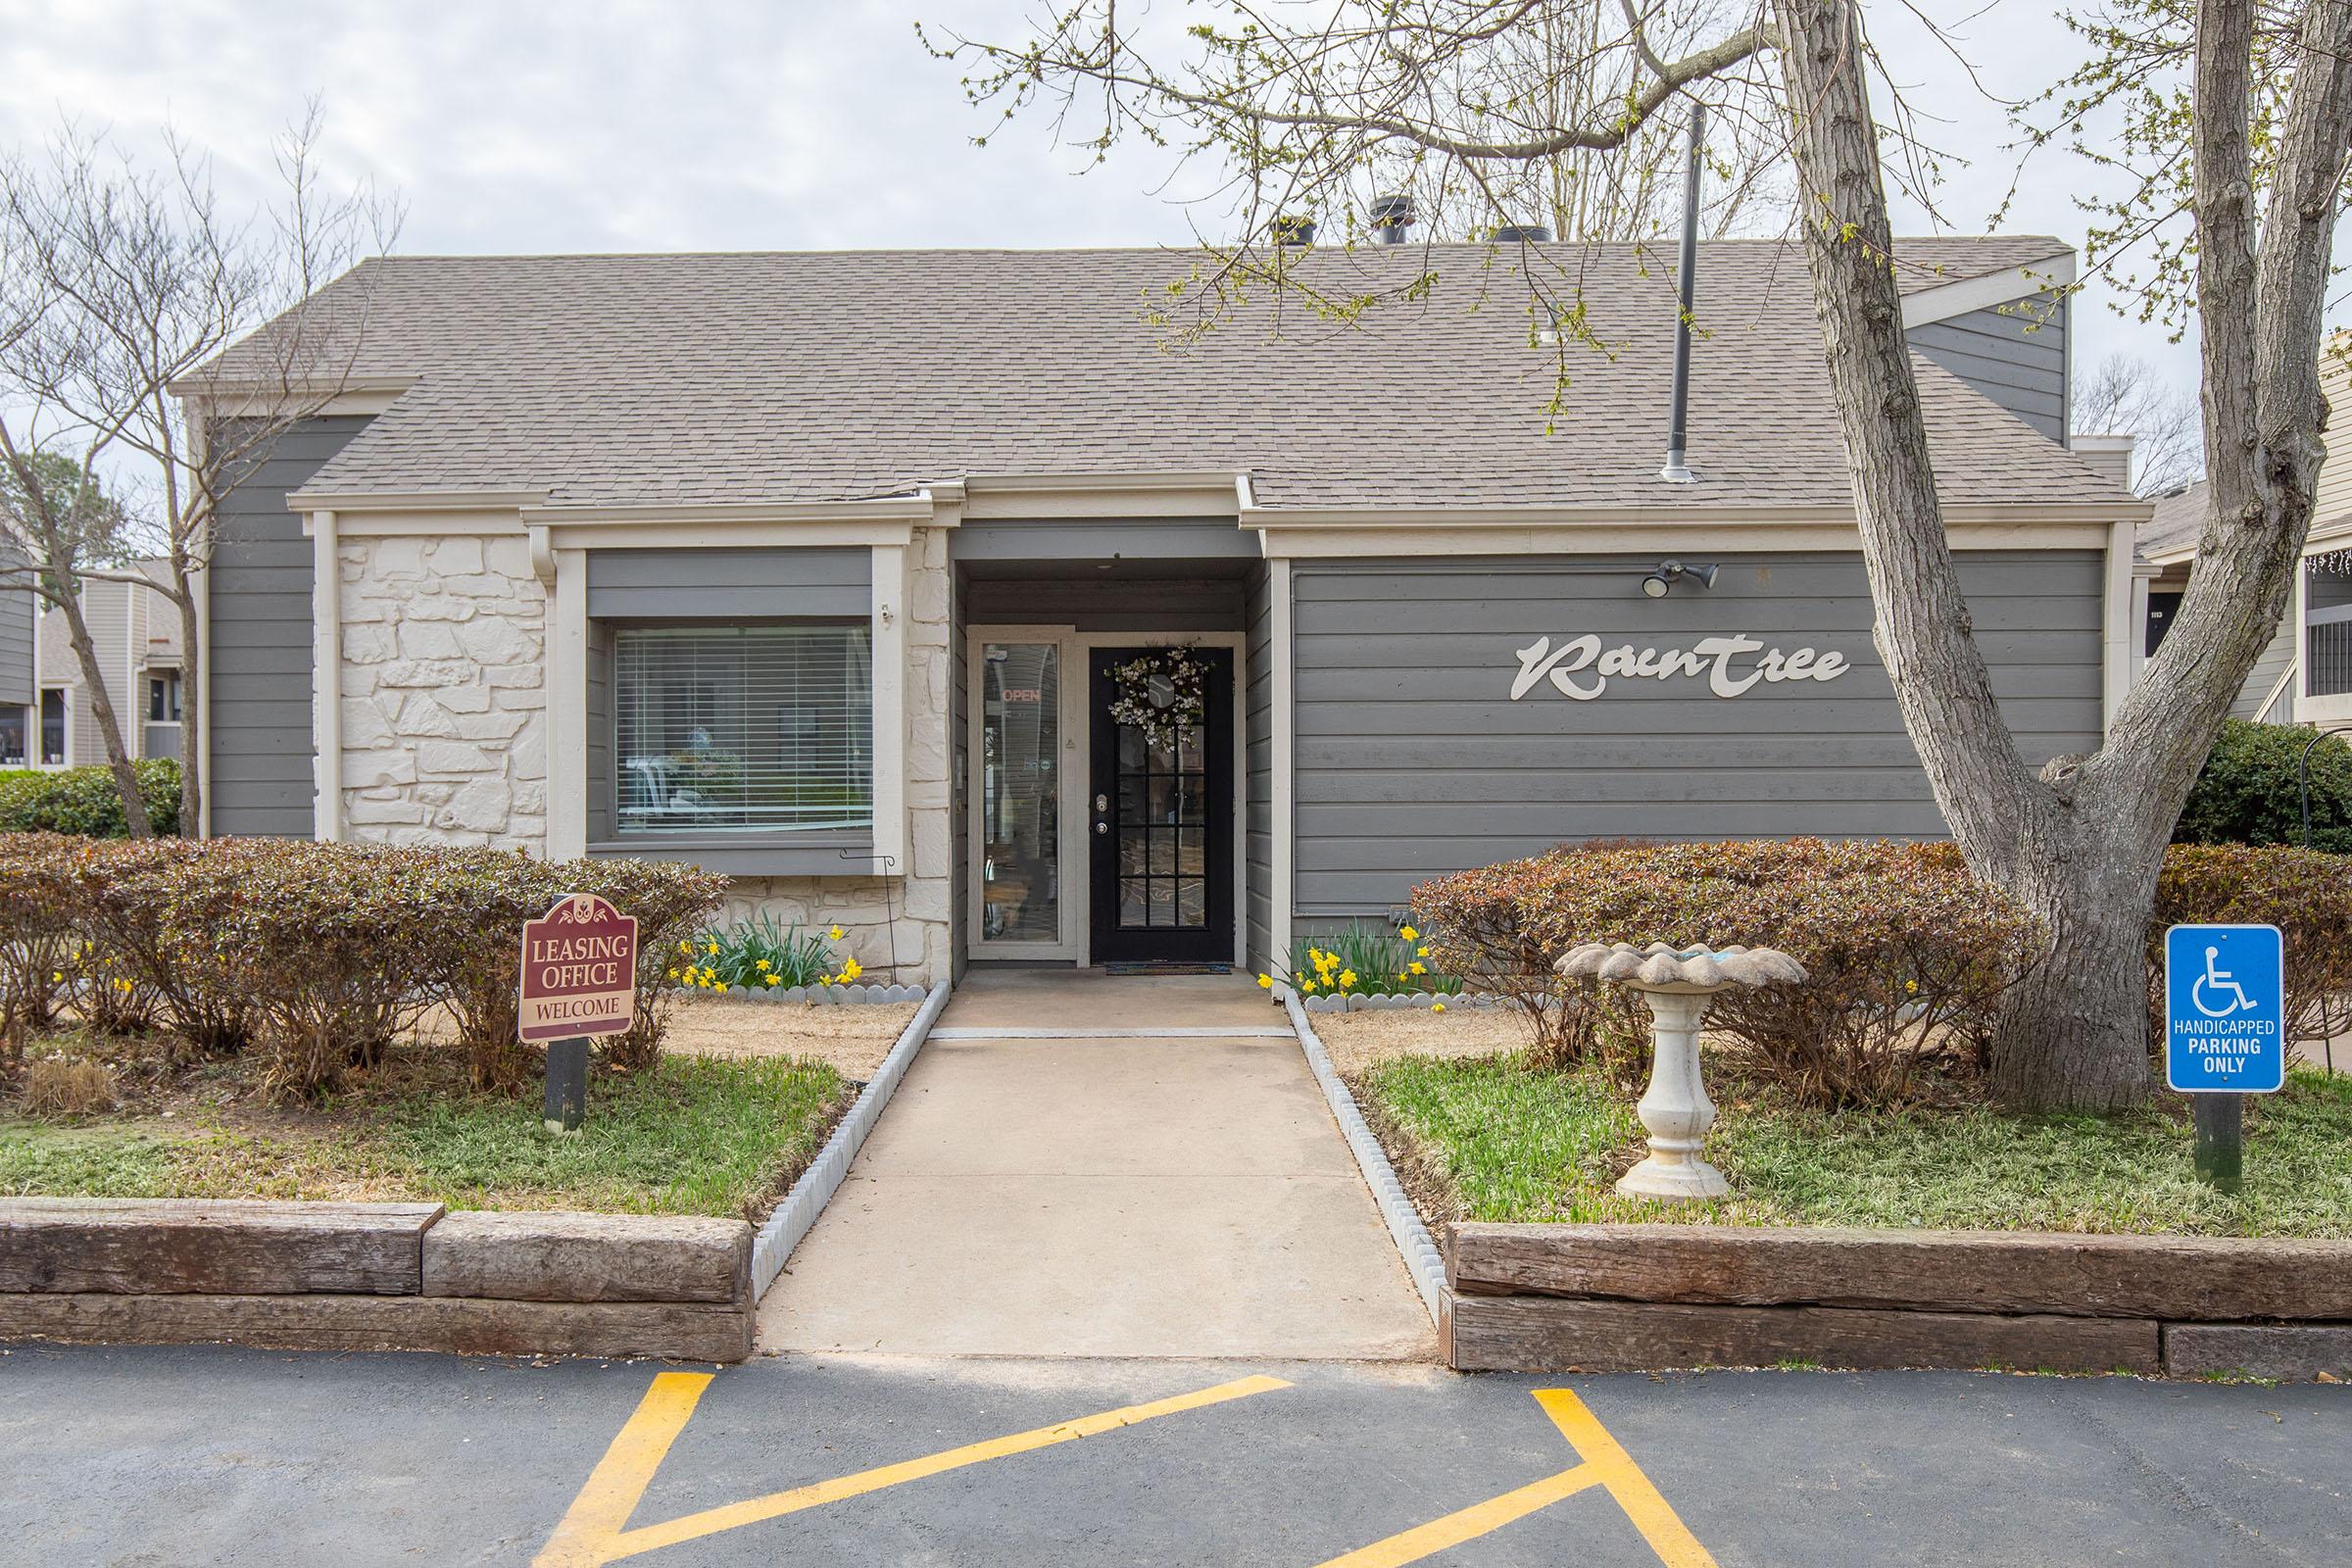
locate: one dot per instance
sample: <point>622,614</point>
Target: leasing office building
<point>837,573</point>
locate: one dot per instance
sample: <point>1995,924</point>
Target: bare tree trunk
<point>2072,1034</point>
<point>2082,844</point>
<point>102,707</point>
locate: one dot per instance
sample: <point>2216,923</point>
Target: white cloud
<point>602,124</point>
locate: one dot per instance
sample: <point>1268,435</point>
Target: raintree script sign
<point>1732,666</point>
<point>2225,1025</point>
<point>579,970</point>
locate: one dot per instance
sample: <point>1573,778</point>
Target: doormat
<point>1143,966</point>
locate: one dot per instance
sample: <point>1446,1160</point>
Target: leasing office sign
<point>1580,669</point>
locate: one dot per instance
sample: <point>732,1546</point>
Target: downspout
<point>1678,465</point>
<point>326,675</point>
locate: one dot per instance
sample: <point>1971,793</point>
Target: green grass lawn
<point>692,1136</point>
<point>1507,1143</point>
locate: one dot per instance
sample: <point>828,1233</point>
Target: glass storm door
<point>1160,824</point>
<point>1020,820</point>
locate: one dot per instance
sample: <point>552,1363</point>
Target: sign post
<point>579,980</point>
<point>2224,1028</point>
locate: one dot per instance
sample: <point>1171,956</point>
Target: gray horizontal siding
<point>1104,539</point>
<point>1411,761</point>
<point>730,584</point>
<point>1258,806</point>
<point>2276,656</point>
<point>2012,353</point>
<point>17,620</point>
<point>260,671</point>
<point>1137,604</point>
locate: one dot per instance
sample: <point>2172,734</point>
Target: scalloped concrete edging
<point>823,1178</point>
<point>1418,1000</point>
<point>837,996</point>
<point>1413,1243</point>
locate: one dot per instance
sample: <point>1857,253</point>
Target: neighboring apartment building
<point>47,719</point>
<point>2304,675</point>
<point>833,573</point>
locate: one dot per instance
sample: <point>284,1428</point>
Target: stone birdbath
<point>1677,984</point>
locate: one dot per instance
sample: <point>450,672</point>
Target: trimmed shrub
<point>318,955</point>
<point>670,901</point>
<point>2305,893</point>
<point>83,802</point>
<point>40,932</point>
<point>2250,791</point>
<point>1907,954</point>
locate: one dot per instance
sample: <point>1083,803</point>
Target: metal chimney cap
<point>1392,216</point>
<point>1293,228</point>
<point>1523,234</point>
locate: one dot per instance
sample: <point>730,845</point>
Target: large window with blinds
<point>743,729</point>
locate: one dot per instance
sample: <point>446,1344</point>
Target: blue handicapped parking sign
<point>2224,1009</point>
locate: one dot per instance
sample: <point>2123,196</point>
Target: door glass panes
<point>1020,742</point>
<point>1163,848</point>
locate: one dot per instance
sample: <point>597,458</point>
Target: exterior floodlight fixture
<point>1670,572</point>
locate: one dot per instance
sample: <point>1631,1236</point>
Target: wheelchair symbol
<point>2219,980</point>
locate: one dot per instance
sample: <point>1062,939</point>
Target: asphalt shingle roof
<point>609,380</point>
<point>2178,520</point>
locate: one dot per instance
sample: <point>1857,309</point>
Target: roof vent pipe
<point>1678,465</point>
<point>1392,216</point>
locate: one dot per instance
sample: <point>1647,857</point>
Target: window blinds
<point>743,728</point>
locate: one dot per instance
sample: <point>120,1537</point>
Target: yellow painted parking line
<point>1643,1503</point>
<point>593,1530</point>
<point>1426,1540</point>
<point>1606,1464</point>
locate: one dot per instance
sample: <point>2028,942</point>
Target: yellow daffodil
<point>1910,985</point>
<point>1307,986</point>
<point>720,988</point>
<point>1400,974</point>
<point>851,970</point>
<point>1419,967</point>
<point>1408,933</point>
<point>1437,1006</point>
<point>712,949</point>
<point>771,979</point>
<point>686,947</point>
<point>764,965</point>
<point>833,935</point>
<point>1347,978</point>
<point>673,974</point>
<point>1265,982</point>
<point>1421,953</point>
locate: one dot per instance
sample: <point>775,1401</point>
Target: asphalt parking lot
<point>214,1456</point>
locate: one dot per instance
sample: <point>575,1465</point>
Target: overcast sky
<point>601,125</point>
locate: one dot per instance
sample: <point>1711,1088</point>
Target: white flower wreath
<point>1163,693</point>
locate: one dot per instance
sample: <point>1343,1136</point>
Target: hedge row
<point>1908,954</point>
<point>315,954</point>
<point>83,800</point>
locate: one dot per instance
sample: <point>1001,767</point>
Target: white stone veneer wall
<point>445,733</point>
<point>444,703</point>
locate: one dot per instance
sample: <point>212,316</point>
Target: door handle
<point>1102,827</point>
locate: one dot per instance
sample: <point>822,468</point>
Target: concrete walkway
<point>1106,1196</point>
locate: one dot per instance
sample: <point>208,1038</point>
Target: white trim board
<point>1076,868</point>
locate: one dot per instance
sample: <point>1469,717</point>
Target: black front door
<point>1161,822</point>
